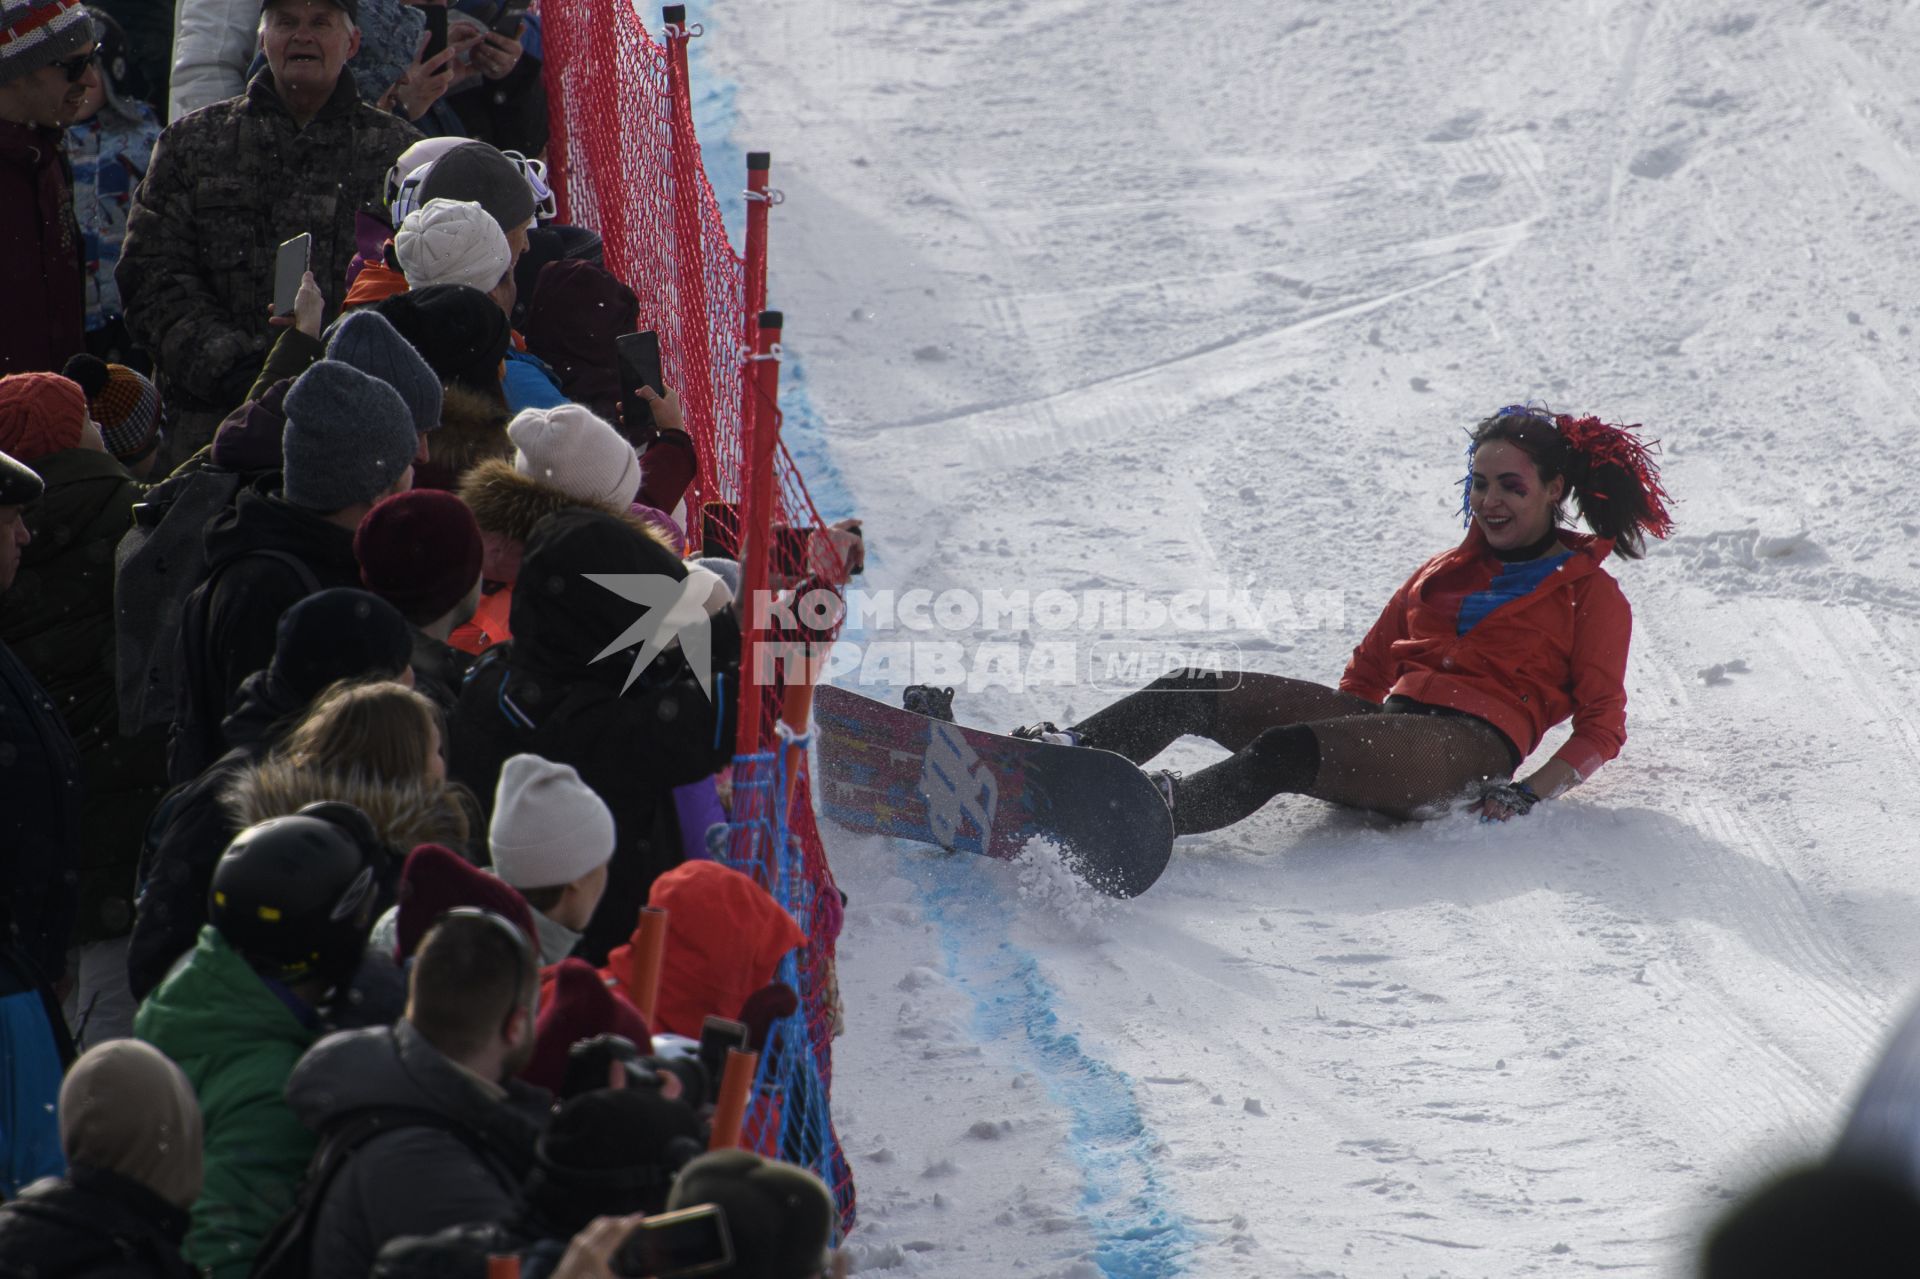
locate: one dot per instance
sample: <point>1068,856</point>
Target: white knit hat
<point>452,242</point>
<point>549,828</point>
<point>579,454</point>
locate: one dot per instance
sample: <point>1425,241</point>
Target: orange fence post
<point>756,525</point>
<point>653,952</point>
<point>730,1112</point>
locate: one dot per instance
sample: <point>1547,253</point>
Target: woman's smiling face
<point>1508,500</point>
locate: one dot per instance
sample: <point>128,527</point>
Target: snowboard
<point>884,770</point>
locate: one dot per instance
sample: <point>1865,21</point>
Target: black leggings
<point>1405,759</point>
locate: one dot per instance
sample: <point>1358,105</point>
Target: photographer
<point>608,1153</point>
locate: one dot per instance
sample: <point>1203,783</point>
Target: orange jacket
<point>725,937</point>
<point>376,283</point>
<point>1523,646</point>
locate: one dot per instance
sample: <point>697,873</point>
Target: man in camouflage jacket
<point>298,151</point>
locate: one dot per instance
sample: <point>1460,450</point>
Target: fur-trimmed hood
<point>509,505</point>
<point>406,814</point>
<point>472,431</point>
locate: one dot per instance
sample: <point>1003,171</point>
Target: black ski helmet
<point>296,896</point>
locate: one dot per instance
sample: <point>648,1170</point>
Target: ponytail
<point>1615,482</point>
<point>1610,473</point>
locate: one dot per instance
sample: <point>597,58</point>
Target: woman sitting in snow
<point>1487,647</point>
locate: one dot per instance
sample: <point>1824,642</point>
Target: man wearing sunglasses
<point>46,68</point>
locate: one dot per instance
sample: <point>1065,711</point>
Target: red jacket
<point>41,277</point>
<point>725,937</point>
<point>1522,646</point>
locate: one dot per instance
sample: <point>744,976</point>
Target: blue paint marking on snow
<point>1125,1206</point>
<point>1138,1233</point>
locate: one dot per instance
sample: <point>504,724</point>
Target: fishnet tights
<point>1291,736</point>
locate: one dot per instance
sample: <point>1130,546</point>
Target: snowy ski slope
<point>1110,295</point>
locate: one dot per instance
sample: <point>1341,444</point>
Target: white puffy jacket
<point>213,43</point>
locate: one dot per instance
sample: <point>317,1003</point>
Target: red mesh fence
<point>624,161</point>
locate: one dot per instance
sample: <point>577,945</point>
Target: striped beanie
<point>39,33</point>
<point>125,404</point>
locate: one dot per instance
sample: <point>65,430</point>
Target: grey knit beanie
<point>348,439</point>
<point>479,172</point>
<point>367,341</point>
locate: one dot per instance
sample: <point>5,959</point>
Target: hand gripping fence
<point>624,161</point>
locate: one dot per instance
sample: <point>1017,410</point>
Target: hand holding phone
<point>436,16</point>
<point>676,1245</point>
<point>638,355</point>
<point>512,13</point>
<point>290,262</point>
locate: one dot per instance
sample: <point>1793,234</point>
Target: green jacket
<point>59,621</point>
<point>237,1041</point>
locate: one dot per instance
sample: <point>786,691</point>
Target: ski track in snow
<point>1103,296</point>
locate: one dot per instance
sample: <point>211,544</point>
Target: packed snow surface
<point>1106,295</point>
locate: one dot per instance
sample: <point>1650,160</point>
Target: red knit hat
<point>419,551</point>
<point>434,880</point>
<point>575,1004</point>
<point>40,413</point>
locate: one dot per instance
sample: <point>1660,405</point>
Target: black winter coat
<point>39,820</point>
<point>251,591</point>
<point>92,1224</point>
<point>410,1180</point>
<point>59,620</point>
<point>194,828</point>
<point>544,694</point>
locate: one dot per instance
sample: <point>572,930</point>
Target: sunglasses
<point>77,65</point>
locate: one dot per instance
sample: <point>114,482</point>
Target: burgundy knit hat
<point>579,1006</point>
<point>40,413</point>
<point>434,880</point>
<point>420,551</point>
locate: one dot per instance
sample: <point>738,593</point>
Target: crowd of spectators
<point>330,803</point>
<point>330,806</point>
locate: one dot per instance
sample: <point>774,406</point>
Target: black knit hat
<point>339,634</point>
<point>460,332</point>
<point>609,1153</point>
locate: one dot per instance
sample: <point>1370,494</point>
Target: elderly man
<point>46,68</point>
<point>298,151</point>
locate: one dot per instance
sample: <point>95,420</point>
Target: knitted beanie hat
<point>460,332</point>
<point>368,341</point>
<point>452,242</point>
<point>125,404</point>
<point>337,634</point>
<point>581,455</point>
<point>549,828</point>
<point>348,439</point>
<point>420,551</point>
<point>40,413</point>
<point>39,33</point>
<point>481,172</point>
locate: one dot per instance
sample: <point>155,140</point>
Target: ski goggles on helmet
<point>545,207</point>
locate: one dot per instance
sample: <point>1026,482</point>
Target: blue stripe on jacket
<point>1509,584</point>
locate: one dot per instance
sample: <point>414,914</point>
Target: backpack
<point>199,707</point>
<point>155,567</point>
<point>287,1252</point>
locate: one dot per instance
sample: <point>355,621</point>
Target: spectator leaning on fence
<point>297,152</point>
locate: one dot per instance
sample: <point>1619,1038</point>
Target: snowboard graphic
<point>888,771</point>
